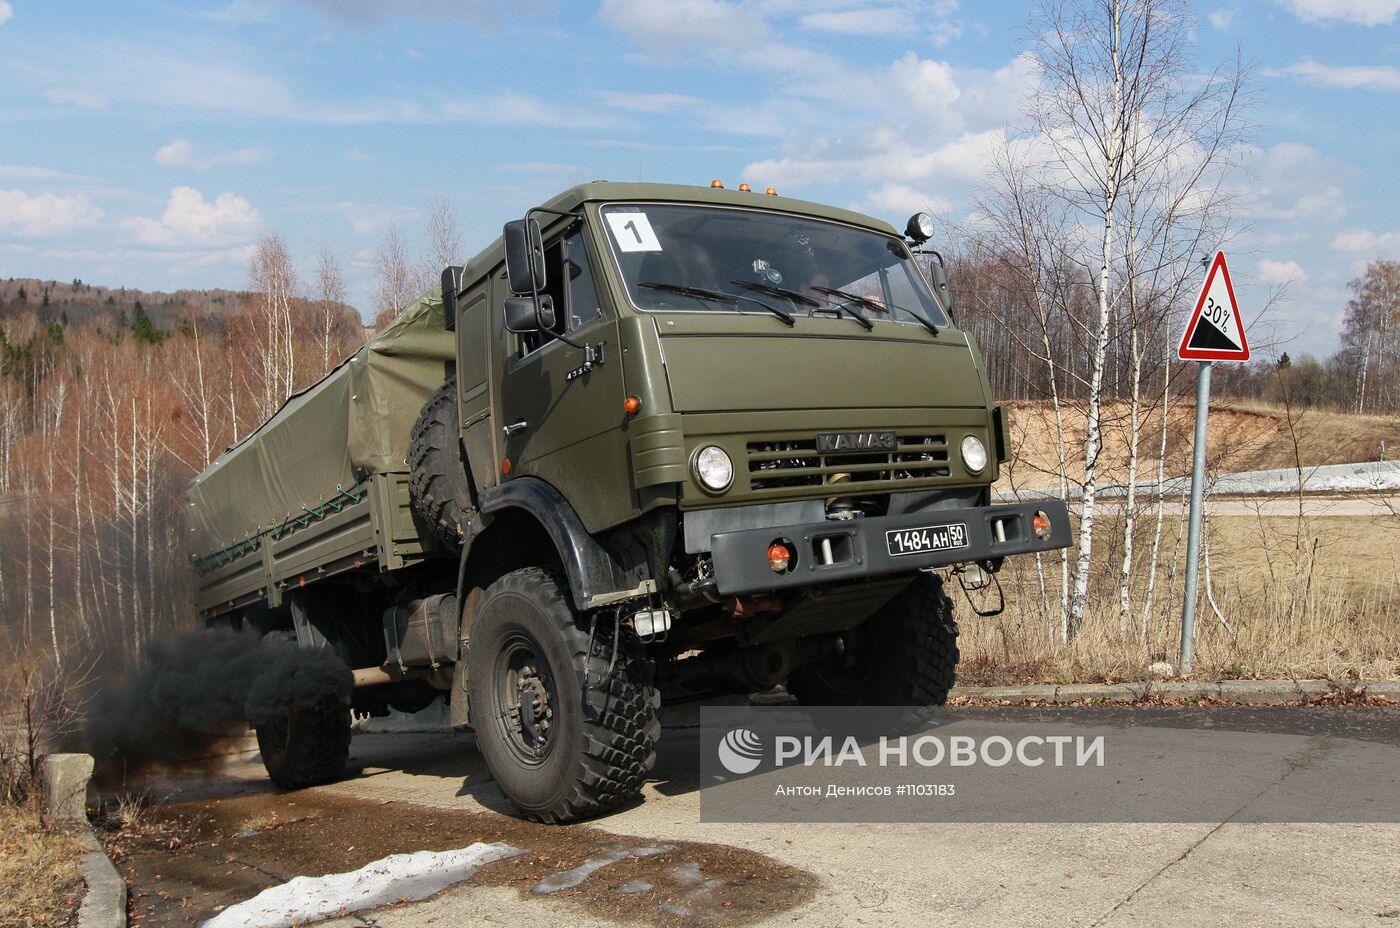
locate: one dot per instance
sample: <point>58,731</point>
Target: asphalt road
<point>927,875</point>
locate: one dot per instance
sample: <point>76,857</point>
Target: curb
<point>1245,692</point>
<point>104,903</point>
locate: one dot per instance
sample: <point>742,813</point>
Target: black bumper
<point>859,547</point>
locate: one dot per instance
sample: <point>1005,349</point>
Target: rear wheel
<point>438,483</point>
<point>563,736</point>
<point>305,746</point>
<point>906,654</point>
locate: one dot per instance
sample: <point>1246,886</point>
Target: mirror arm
<point>577,216</point>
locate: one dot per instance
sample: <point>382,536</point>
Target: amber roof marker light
<point>745,188</point>
<point>771,192</point>
<point>717,184</point>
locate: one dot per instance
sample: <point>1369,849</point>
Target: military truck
<point>653,438</point>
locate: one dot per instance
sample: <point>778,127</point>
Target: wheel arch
<point>527,522</point>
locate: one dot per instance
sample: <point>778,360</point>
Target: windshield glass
<point>717,259</point>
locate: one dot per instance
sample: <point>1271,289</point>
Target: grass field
<point>42,885</point>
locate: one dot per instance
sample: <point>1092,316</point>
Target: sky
<point>150,145</point>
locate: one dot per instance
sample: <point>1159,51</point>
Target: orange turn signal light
<point>717,184</point>
<point>1040,524</point>
<point>631,404</point>
<point>779,556</point>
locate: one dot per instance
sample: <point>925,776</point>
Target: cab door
<point>558,421</point>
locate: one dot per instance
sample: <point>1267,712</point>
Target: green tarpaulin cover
<point>352,423</point>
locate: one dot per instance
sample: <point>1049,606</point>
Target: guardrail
<point>1368,477</point>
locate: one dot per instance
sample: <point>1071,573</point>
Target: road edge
<point>1244,692</point>
<point>104,902</point>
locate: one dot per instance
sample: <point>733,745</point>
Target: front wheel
<point>906,654</point>
<point>565,721</point>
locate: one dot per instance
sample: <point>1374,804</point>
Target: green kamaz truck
<point>653,438</point>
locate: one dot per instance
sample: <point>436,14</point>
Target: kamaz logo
<point>828,442</point>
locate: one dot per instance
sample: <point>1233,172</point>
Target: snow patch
<point>395,878</point>
<point>568,879</point>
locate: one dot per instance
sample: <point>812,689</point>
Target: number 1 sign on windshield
<point>1215,332</point>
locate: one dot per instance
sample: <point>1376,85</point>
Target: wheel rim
<point>527,697</point>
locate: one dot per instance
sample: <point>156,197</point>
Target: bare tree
<point>330,298</point>
<point>444,239</point>
<point>274,281</point>
<point>394,285</point>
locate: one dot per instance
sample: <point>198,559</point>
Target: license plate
<point>929,538</point>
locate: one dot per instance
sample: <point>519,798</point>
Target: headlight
<point>974,454</point>
<point>714,469</point>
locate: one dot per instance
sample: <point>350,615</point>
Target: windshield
<point>719,259</point>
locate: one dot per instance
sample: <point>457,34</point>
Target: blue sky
<point>150,144</point>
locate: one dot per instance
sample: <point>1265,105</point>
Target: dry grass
<point>38,871</point>
<point>1316,599</point>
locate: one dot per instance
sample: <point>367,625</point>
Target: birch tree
<point>1119,102</point>
<point>393,279</point>
<point>274,281</point>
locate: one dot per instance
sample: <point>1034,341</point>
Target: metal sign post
<point>1193,531</point>
<point>1215,333</point>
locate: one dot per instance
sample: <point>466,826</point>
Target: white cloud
<point>901,200</point>
<point>33,172</point>
<point>189,219</point>
<point>182,154</point>
<point>684,23</point>
<point>646,102</point>
<point>1360,12</point>
<point>1363,243</point>
<point>1347,77</point>
<point>1223,20</point>
<point>7,12</point>
<point>213,78</point>
<point>1291,182</point>
<point>355,154</point>
<point>45,214</point>
<point>1281,272</point>
<point>877,21</point>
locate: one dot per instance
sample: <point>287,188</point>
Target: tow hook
<point>980,578</point>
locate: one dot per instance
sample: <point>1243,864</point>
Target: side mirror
<point>524,256</point>
<point>451,286</point>
<point>523,315</point>
<point>938,276</point>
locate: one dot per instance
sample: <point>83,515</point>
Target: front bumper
<point>858,547</point>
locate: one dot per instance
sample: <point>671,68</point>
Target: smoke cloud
<point>193,692</point>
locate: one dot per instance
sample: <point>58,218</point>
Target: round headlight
<point>974,454</point>
<point>713,468</point>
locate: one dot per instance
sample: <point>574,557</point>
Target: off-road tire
<point>912,656</point>
<point>307,747</point>
<point>603,732</point>
<point>438,483</point>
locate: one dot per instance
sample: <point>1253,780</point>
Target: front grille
<point>797,463</point>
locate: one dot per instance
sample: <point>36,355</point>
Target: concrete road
<point>930,875</point>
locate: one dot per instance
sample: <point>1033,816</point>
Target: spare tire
<point>438,482</point>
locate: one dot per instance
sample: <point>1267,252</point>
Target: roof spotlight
<point>920,228</point>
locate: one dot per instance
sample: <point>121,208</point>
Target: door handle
<point>514,427</point>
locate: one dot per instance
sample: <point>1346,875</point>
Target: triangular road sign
<point>1215,332</point>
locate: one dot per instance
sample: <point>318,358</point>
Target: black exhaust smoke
<point>194,692</point>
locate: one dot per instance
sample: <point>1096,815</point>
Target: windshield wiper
<point>697,292</point>
<point>846,311</point>
<point>793,295</point>
<point>717,296</point>
<point>878,307</point>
